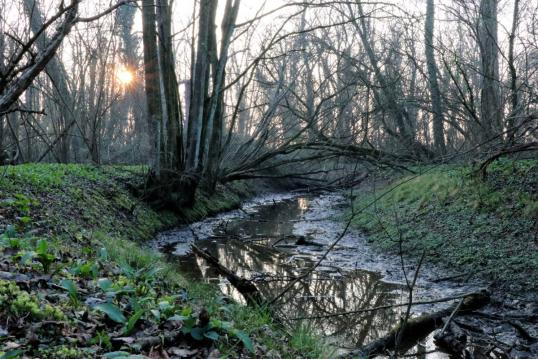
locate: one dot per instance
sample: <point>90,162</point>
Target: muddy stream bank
<point>274,238</point>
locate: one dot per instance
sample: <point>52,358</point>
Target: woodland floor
<point>482,228</point>
<point>76,280</point>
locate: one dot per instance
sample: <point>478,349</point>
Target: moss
<point>225,198</point>
<point>64,352</point>
<point>18,303</point>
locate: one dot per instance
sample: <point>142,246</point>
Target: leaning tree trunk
<point>58,75</point>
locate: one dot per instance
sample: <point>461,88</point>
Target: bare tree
<point>490,102</point>
<point>435,92</point>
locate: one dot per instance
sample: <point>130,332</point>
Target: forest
<point>268,179</point>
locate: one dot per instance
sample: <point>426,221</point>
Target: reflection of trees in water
<point>321,294</point>
<point>325,292</point>
<point>271,220</point>
<point>316,297</point>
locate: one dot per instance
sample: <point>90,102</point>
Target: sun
<point>124,76</point>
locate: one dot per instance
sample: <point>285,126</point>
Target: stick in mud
<point>418,328</point>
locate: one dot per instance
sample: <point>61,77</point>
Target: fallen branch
<point>386,307</point>
<point>523,147</point>
<point>244,286</point>
<point>420,327</point>
<point>452,277</point>
<point>452,340</point>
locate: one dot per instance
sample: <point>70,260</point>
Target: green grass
<point>82,212</point>
<point>461,222</point>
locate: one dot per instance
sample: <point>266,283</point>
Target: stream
<point>274,238</point>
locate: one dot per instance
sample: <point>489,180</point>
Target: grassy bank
<point>464,224</point>
<point>77,281</point>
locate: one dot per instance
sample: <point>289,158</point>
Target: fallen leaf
<point>158,353</point>
<point>215,354</point>
<point>11,345</point>
<point>183,352</point>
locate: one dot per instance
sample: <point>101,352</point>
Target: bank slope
<point>76,280</point>
<point>486,227</point>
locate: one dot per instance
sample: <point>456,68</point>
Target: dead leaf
<point>158,353</point>
<point>183,352</point>
<point>215,354</point>
<point>11,346</point>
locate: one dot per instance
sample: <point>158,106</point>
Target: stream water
<point>275,238</point>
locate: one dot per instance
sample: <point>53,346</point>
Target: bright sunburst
<point>124,76</point>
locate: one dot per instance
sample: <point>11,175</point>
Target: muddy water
<point>274,239</point>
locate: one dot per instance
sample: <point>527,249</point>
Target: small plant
<point>211,329</point>
<point>85,269</point>
<point>133,319</point>
<point>112,311</point>
<point>25,222</point>
<point>43,255</point>
<point>101,339</point>
<point>11,354</point>
<point>10,239</point>
<point>20,303</point>
<point>72,289</point>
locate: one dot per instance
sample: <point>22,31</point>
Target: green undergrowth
<point>488,227</point>
<point>77,280</point>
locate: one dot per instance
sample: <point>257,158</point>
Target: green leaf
<point>156,314</point>
<point>133,319</point>
<point>105,284</point>
<point>245,339</point>
<point>25,220</point>
<point>42,246</point>
<point>212,335</point>
<point>165,306</point>
<point>103,254</point>
<point>112,311</point>
<point>123,355</point>
<point>12,354</point>
<point>187,311</point>
<point>69,286</point>
<point>198,333</point>
<point>27,256</point>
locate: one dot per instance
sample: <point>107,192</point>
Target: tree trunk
<point>515,110</point>
<point>435,93</point>
<point>199,83</point>
<point>152,81</point>
<point>172,159</point>
<point>216,110</point>
<point>490,105</point>
<point>387,95</point>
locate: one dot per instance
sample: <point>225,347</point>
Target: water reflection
<point>245,246</point>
